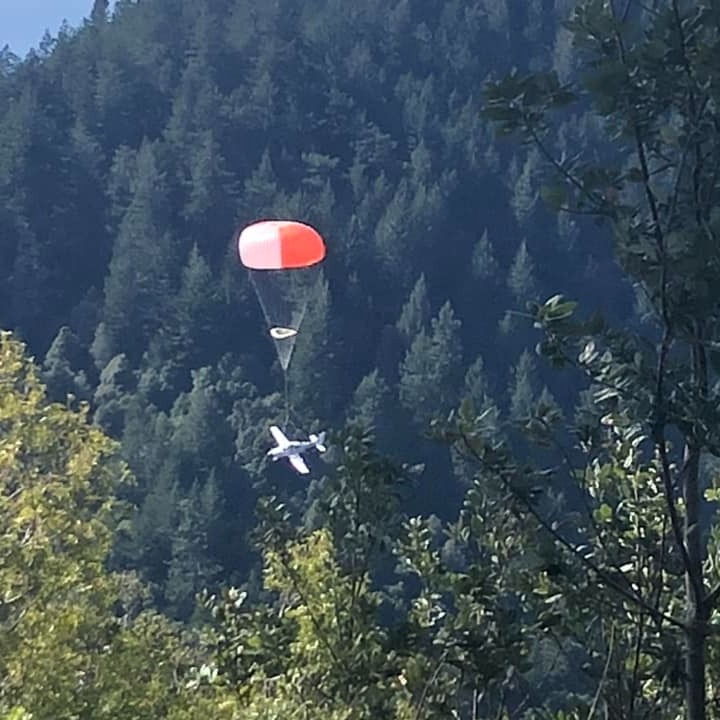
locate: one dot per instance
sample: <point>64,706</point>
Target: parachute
<point>283,258</point>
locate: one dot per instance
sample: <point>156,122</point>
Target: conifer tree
<point>208,208</point>
<point>145,439</point>
<point>142,266</point>
<point>484,264</point>
<point>121,181</point>
<point>261,187</point>
<point>155,523</point>
<point>192,336</point>
<point>199,311</point>
<point>370,407</point>
<point>64,367</point>
<point>522,282</point>
<point>112,394</point>
<point>98,14</point>
<point>431,373</point>
<point>202,437</point>
<point>312,371</point>
<point>29,281</point>
<point>415,314</point>
<point>191,568</point>
<point>392,234</point>
<point>522,389</point>
<point>476,389</point>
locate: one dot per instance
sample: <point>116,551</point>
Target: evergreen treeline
<point>486,538</point>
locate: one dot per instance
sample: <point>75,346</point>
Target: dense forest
<point>512,341</point>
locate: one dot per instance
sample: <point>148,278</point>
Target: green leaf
<point>588,354</point>
<point>712,494</point>
<point>603,513</point>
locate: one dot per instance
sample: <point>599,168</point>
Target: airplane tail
<point>319,441</point>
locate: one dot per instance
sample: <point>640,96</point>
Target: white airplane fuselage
<point>294,447</point>
<point>293,450</point>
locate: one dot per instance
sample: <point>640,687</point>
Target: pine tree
<point>317,186</point>
<point>312,370</point>
<point>525,195</point>
<point>431,373</point>
<point>64,367</point>
<point>191,568</point>
<point>523,387</point>
<point>476,387</point>
<point>260,188</point>
<point>113,394</point>
<point>121,181</point>
<point>199,312</point>
<point>392,235</point>
<point>415,314</point>
<point>521,279</point>
<point>145,440</point>
<point>484,265</point>
<point>209,39</point>
<point>208,208</point>
<point>28,285</point>
<point>371,404</point>
<point>147,543</point>
<point>192,336</point>
<point>99,12</point>
<point>101,348</point>
<point>202,437</point>
<point>142,267</point>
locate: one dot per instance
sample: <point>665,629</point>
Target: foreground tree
<point>362,615</point>
<point>74,642</point>
<point>313,647</point>
<point>652,76</point>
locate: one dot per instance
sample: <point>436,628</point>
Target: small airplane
<point>293,449</point>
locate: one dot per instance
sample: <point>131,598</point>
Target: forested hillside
<point>134,149</point>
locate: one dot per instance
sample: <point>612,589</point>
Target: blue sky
<point>23,22</point>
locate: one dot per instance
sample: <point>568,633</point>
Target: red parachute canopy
<point>280,245</point>
<point>283,259</point>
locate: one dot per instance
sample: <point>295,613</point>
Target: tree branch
<point>428,684</point>
<point>604,675</point>
<point>607,579</point>
<point>659,420</point>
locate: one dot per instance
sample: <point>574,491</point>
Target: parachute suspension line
<point>291,417</point>
<point>287,400</point>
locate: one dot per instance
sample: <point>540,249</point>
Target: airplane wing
<point>279,436</point>
<point>299,464</point>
